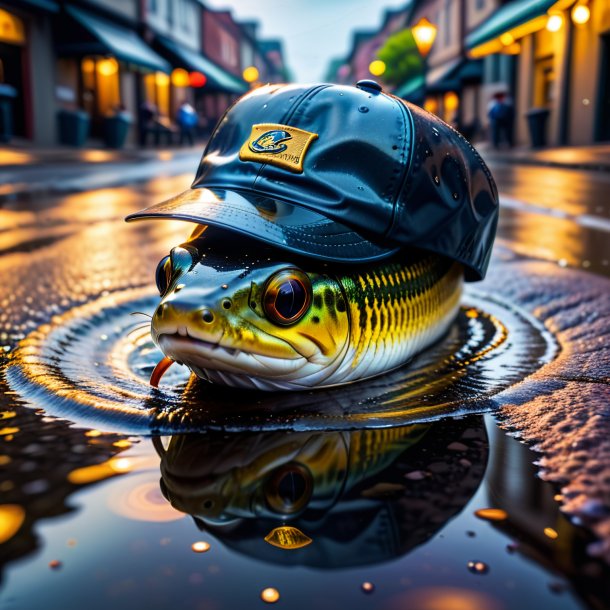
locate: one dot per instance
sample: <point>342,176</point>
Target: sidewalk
<point>592,158</point>
<point>27,171</point>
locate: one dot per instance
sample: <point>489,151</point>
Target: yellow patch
<point>279,145</point>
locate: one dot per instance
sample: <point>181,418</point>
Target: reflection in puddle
<point>326,500</point>
<point>93,364</point>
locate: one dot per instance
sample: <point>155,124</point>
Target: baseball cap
<point>341,173</point>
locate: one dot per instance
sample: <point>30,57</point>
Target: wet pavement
<point>371,516</point>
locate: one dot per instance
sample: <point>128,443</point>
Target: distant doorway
<point>602,133</point>
<point>11,74</point>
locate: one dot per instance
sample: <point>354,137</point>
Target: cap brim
<point>282,224</point>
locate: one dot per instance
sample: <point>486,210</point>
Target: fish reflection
<point>325,499</point>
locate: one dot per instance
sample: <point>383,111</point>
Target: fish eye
<point>289,489</point>
<point>287,296</point>
<point>163,274</point>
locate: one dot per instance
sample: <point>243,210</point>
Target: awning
<point>45,5</point>
<point>218,79</point>
<point>509,16</point>
<point>452,75</point>
<point>442,79</point>
<point>108,38</point>
<point>413,89</point>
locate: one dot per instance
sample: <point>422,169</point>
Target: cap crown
<point>389,170</point>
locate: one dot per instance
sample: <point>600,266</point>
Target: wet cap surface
<point>270,220</point>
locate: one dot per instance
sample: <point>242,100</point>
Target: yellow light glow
<point>123,443</point>
<point>200,546</point>
<point>287,537</point>
<point>250,74</point>
<point>161,79</point>
<point>549,532</point>
<point>431,105</point>
<point>507,38</point>
<point>142,500</point>
<point>491,514</point>
<point>270,595</point>
<point>451,101</point>
<point>93,433</point>
<point>88,65</point>
<point>99,472</point>
<point>377,67</point>
<point>107,67</point>
<point>554,22</point>
<point>581,14</point>
<point>424,34</point>
<point>11,28</point>
<point>495,45</point>
<point>180,78</point>
<point>513,49</point>
<point>11,519</point>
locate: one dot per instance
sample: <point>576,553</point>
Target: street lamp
<point>580,13</point>
<point>424,34</point>
<point>250,74</point>
<point>377,67</point>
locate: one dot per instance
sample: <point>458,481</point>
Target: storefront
<point>560,57</point>
<point>196,79</point>
<point>100,65</point>
<point>12,72</point>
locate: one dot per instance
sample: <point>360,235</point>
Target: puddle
<point>93,363</point>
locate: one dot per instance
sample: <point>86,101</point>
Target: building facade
<point>71,71</point>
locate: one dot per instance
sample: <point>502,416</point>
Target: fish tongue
<point>160,370</point>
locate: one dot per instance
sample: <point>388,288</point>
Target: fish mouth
<point>199,354</point>
<point>208,346</point>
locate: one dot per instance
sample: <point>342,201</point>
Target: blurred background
<point>140,73</point>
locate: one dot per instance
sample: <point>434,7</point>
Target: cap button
<point>368,84</point>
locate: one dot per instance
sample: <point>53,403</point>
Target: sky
<point>313,31</point>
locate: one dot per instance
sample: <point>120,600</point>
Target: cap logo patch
<point>279,145</point>
<point>270,142</point>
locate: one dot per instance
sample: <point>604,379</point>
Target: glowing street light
<point>424,34</point>
<point>554,22</point>
<point>250,74</point>
<point>580,14</point>
<point>377,67</point>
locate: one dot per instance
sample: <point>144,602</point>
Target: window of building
<point>544,82</point>
<point>447,22</point>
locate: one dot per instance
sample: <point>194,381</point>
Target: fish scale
<point>396,308</point>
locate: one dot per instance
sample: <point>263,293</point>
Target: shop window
<point>100,89</point>
<point>544,82</point>
<point>11,29</point>
<point>156,91</point>
<point>451,103</point>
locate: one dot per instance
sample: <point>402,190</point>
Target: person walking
<point>187,120</point>
<point>501,114</point>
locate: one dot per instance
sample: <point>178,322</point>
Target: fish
<point>248,315</point>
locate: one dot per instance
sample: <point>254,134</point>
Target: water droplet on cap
<point>368,587</point>
<point>200,546</point>
<point>363,109</point>
<point>478,567</point>
<point>270,595</point>
<point>491,514</point>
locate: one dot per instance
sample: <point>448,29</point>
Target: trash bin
<point>536,121</point>
<point>7,94</point>
<point>116,129</point>
<point>73,127</point>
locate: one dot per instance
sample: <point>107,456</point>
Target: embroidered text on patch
<point>279,145</point>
